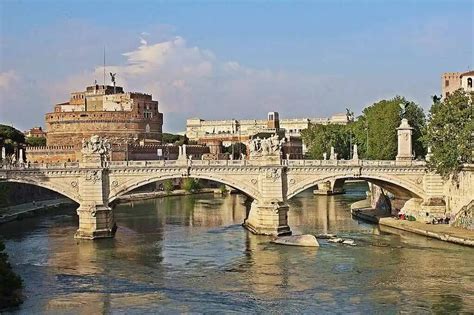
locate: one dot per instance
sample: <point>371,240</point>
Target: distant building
<point>35,132</point>
<point>452,81</point>
<point>217,133</point>
<point>199,129</point>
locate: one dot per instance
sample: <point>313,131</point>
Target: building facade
<point>452,81</point>
<point>198,129</point>
<point>223,133</point>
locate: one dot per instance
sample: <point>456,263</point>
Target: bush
<point>10,283</point>
<point>168,186</point>
<point>223,189</point>
<point>190,185</point>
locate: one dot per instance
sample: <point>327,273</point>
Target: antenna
<point>104,66</point>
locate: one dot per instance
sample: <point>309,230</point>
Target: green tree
<point>11,137</point>
<point>449,133</point>
<point>35,141</point>
<point>320,139</point>
<point>190,184</point>
<point>168,186</point>
<point>375,130</point>
<point>236,148</point>
<point>174,139</point>
<point>10,283</point>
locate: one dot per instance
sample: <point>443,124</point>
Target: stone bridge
<point>270,183</point>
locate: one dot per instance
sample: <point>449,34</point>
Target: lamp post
<point>350,119</point>
<point>367,141</point>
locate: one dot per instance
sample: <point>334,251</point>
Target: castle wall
<point>69,128</point>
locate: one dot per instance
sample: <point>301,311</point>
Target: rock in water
<point>349,242</point>
<point>307,240</point>
<point>336,240</point>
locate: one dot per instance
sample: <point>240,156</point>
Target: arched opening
<point>158,183</point>
<point>469,82</point>
<point>17,198</point>
<point>384,194</point>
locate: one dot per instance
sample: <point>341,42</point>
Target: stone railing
<point>353,163</point>
<point>164,163</point>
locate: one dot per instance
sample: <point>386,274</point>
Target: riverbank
<point>443,232</point>
<point>162,194</point>
<point>30,209</point>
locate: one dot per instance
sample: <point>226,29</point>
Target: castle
<point>107,111</point>
<point>130,121</point>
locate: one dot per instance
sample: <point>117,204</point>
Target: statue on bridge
<point>266,147</point>
<point>95,146</point>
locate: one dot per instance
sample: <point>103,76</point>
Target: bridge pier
<point>270,218</point>
<point>95,222</point>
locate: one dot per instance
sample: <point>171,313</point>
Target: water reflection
<point>190,254</point>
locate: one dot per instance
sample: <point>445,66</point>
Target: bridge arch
<point>394,185</point>
<point>131,185</point>
<point>47,185</point>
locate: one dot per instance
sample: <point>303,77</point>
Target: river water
<point>190,254</point>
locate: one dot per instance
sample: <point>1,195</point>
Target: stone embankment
<point>443,232</point>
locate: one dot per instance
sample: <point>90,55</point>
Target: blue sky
<point>224,59</point>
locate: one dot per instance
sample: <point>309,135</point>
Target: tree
<point>190,185</point>
<point>168,186</point>
<point>36,141</point>
<point>375,130</point>
<point>11,137</point>
<point>449,133</point>
<point>10,283</point>
<point>174,139</point>
<point>236,148</point>
<point>320,138</point>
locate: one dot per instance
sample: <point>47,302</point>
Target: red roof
<point>467,73</point>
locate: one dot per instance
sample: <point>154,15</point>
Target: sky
<point>231,59</point>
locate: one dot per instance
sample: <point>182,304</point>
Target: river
<point>191,254</point>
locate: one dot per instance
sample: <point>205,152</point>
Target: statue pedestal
<point>273,159</point>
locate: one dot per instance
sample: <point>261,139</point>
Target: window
<point>446,83</point>
<point>469,82</point>
<point>270,117</point>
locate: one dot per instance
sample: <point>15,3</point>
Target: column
<point>269,214</point>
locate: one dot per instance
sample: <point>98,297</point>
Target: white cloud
<point>7,78</point>
<point>189,81</point>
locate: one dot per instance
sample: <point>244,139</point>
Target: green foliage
<point>236,148</point>
<point>374,130</point>
<point>10,283</point>
<point>190,184</point>
<point>35,141</point>
<point>320,138</point>
<point>378,124</point>
<point>11,137</point>
<point>223,189</point>
<point>168,186</point>
<point>174,139</point>
<point>449,133</point>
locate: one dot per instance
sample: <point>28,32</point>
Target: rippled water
<point>190,254</point>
